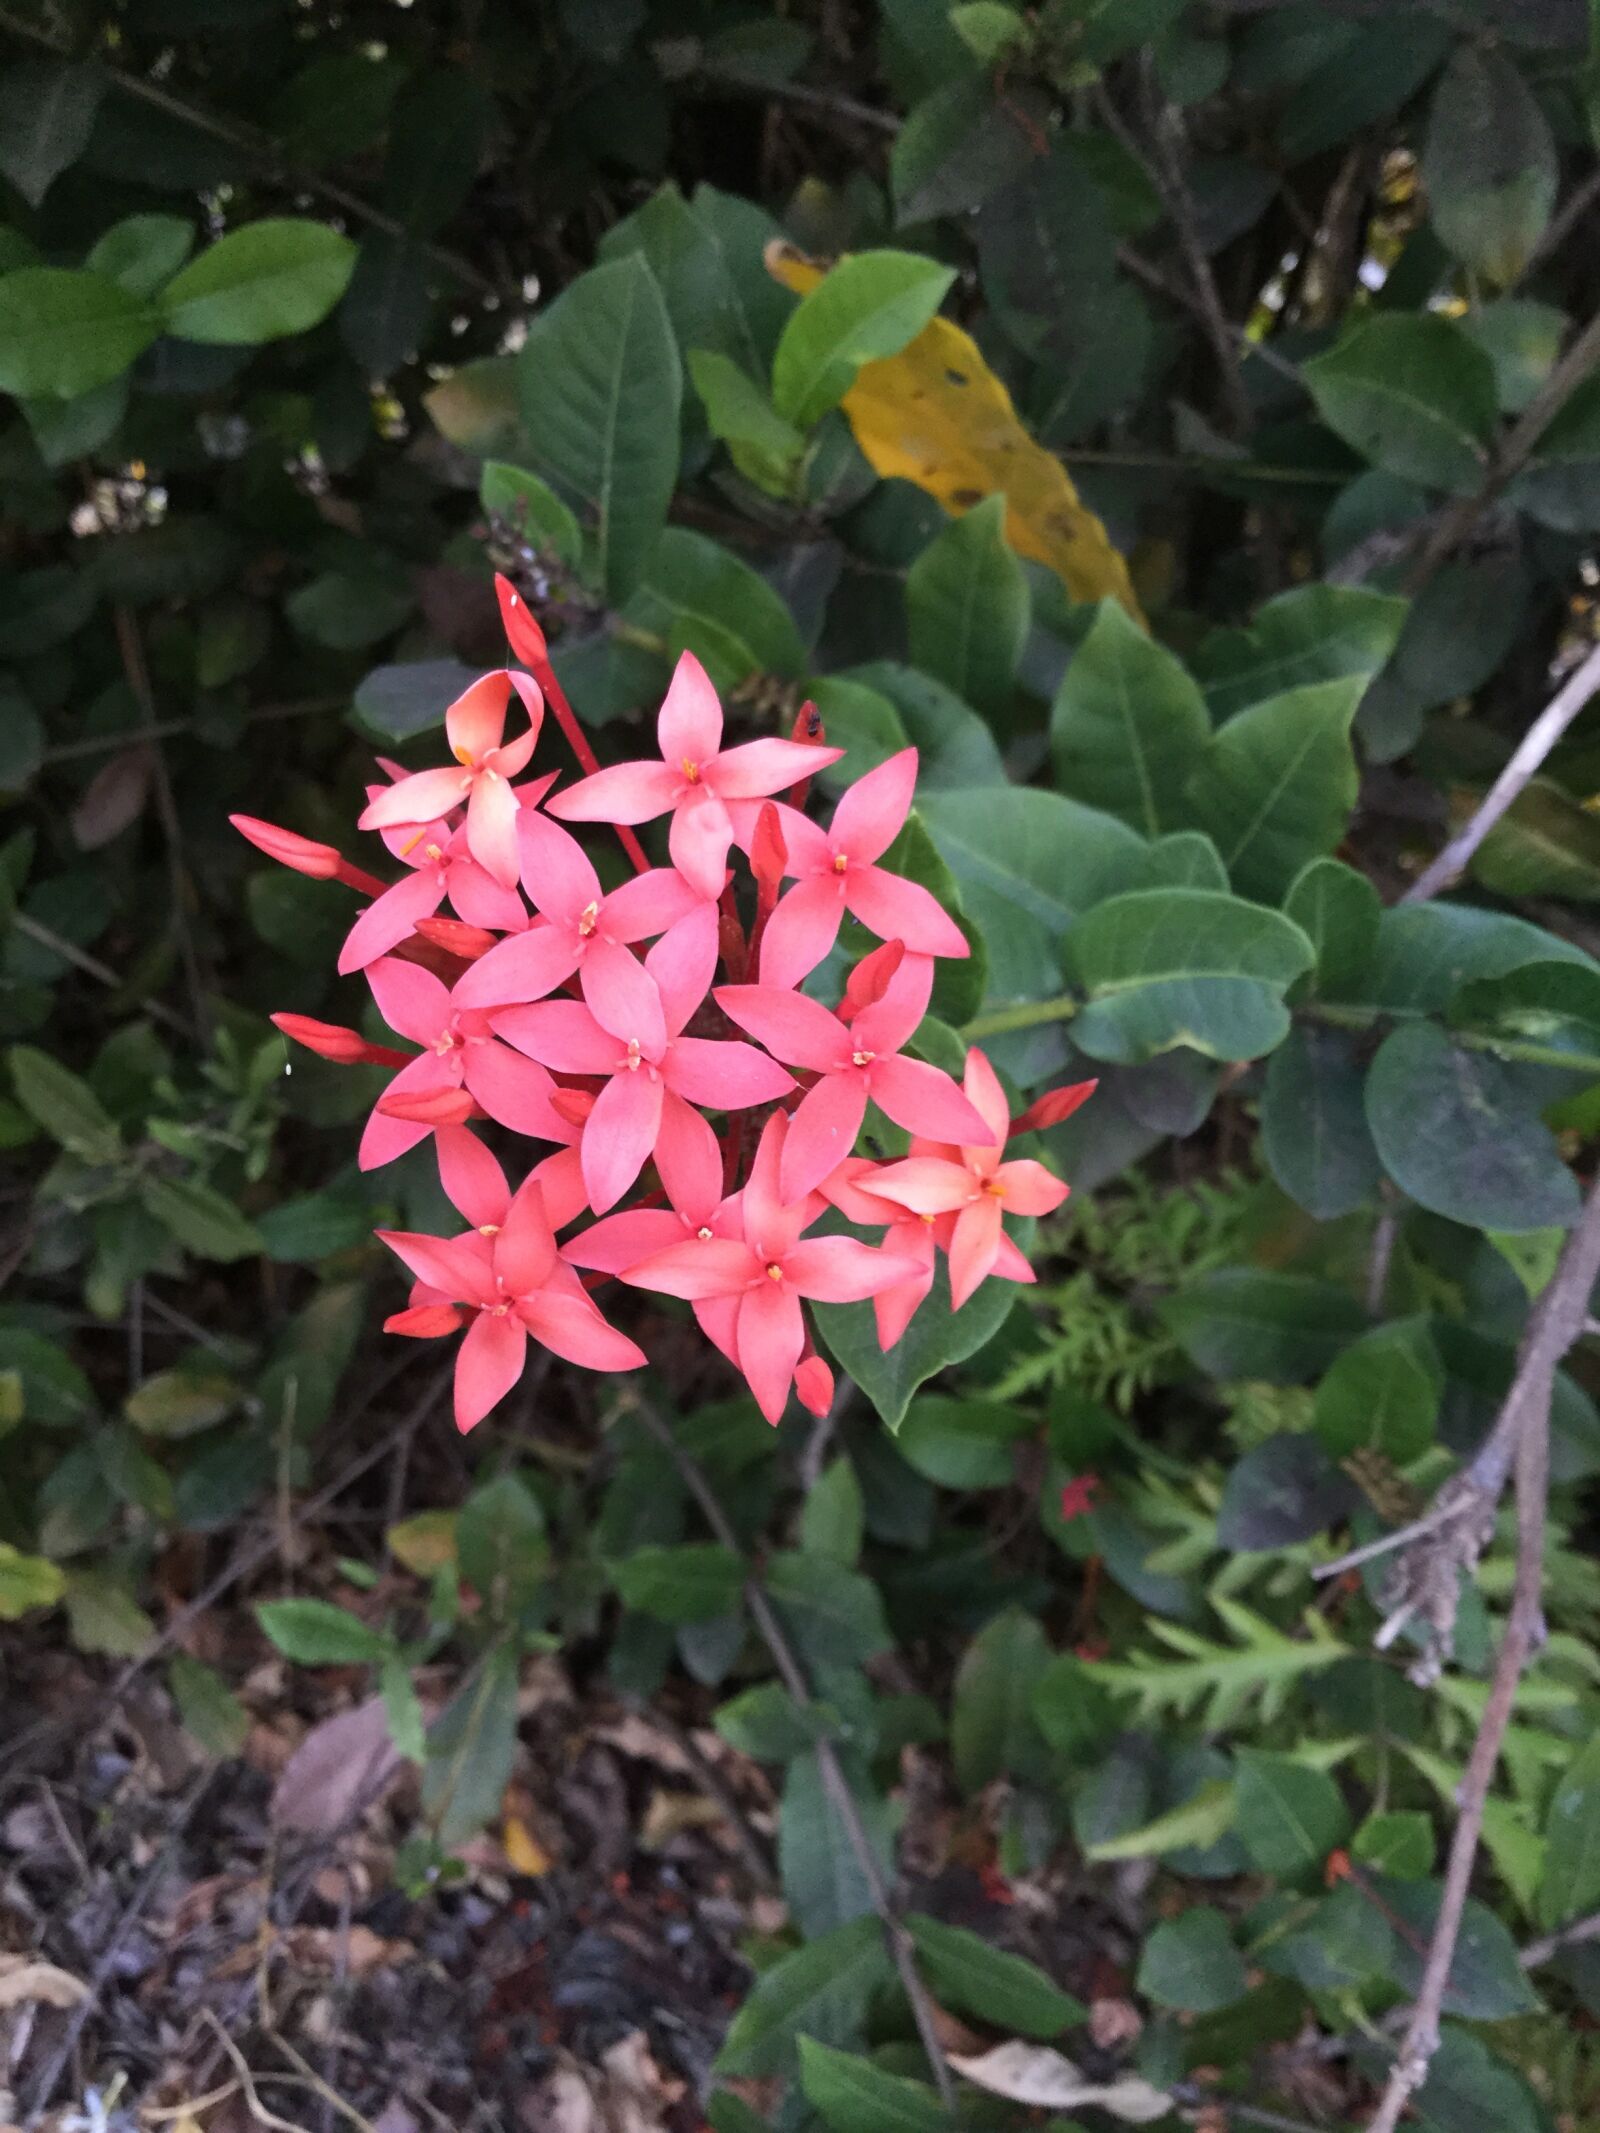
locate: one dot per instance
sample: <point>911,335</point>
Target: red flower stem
<point>556,697</point>
<point>354,878</point>
<point>730,939</point>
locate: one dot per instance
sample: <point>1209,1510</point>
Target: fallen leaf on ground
<point>1034,2074</point>
<point>22,1981</point>
<point>341,1762</point>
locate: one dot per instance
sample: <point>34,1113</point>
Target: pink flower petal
<point>555,868</point>
<point>390,919</point>
<point>792,1026</point>
<point>410,999</point>
<point>872,812</point>
<point>885,1025</point>
<point>894,1308</point>
<point>384,1139</point>
<point>723,1075</point>
<point>718,1319</point>
<point>479,900</point>
<point>512,757</point>
<point>492,817</point>
<point>849,1188</point>
<point>623,792</point>
<point>1027,1188</point>
<point>843,1269</point>
<point>488,1365</point>
<point>770,1337</point>
<point>822,1132</point>
<point>572,1327</point>
<point>683,963</point>
<point>647,905</point>
<point>698,1269</point>
<point>985,1094</point>
<point>521,969</point>
<point>623,998</point>
<point>689,723</point>
<point>1010,1264</point>
<point>805,841</point>
<point>475,722</point>
<point>513,1091</point>
<point>925,1184</point>
<point>473,1181</point>
<point>756,768</point>
<point>771,1224</point>
<point>419,799</point>
<point>561,1034</point>
<point>698,840</point>
<point>457,1267</point>
<point>619,1136</point>
<point>803,927</point>
<point>525,1250</point>
<point>561,1181</point>
<point>899,910</point>
<point>923,1100</point>
<point>974,1244</point>
<point>617,1242</point>
<point>689,1161</point>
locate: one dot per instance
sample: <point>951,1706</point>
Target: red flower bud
<point>813,1381</point>
<point>523,634</point>
<point>455,937</point>
<point>345,1047</point>
<point>574,1105</point>
<point>869,981</point>
<point>1078,1495</point>
<point>447,1106</point>
<point>769,854</point>
<point>320,861</point>
<point>425,1322</point>
<point>1054,1106</point>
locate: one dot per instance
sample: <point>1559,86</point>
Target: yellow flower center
<point>690,770</point>
<point>588,919</point>
<point>703,1234</point>
<point>841,862</point>
<point>862,1058</point>
<point>774,1272</point>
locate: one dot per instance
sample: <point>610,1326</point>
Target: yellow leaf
<point>524,1853</point>
<point>936,414</point>
<point>425,1543</point>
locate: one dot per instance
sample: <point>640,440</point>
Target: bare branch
<point>1556,1322</point>
<point>1553,721</point>
<point>792,1674</point>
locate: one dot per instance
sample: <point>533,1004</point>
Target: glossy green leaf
<point>763,445</point>
<point>820,1991</point>
<point>314,1633</point>
<point>1399,1842</point>
<point>1382,1394</point>
<point>47,112</point>
<point>1191,1965</point>
<point>1159,968</point>
<point>852,2095</point>
<point>832,1517</point>
<point>962,1444</point>
<point>27,1582</point>
<point>64,1104</point>
<point>822,1877</point>
<point>1487,1982</point>
<point>936,1338</point>
<point>1570,1884</point>
<point>1314,633</point>
<point>600,385</point>
<point>1411,393</point>
<point>1288,1815</point>
<point>967,608</point>
<point>62,333</point>
<point>471,1749</point>
<point>1276,785</point>
<point>992,1727</point>
<point>1545,844</point>
<point>1128,724</point>
<point>693,1583</point>
<point>967,1973</point>
<point>1489,163</point>
<point>1243,1323</point>
<point>701,598</point>
<point>1314,1131</point>
<point>866,308</point>
<point>531,508</point>
<point>1338,910</point>
<point>262,282</point>
<point>834,1614</point>
<point>202,1219</point>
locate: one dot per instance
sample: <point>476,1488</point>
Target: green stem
<point>1028,1014</point>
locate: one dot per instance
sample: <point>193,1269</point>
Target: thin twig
<point>1151,275</point>
<point>829,103</point>
<point>1553,721</point>
<point>92,967</point>
<point>169,729</point>
<point>1556,1322</point>
<point>1382,1252</point>
<point>792,1673</point>
<point>1539,1952</point>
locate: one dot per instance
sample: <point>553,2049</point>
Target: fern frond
<point>1260,1666</point>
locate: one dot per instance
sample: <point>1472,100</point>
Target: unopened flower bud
<point>1053,1106</point>
<point>447,1106</point>
<point>424,1322</point>
<point>769,855</point>
<point>813,1381</point>
<point>345,1047</point>
<point>306,856</point>
<point>455,937</point>
<point>523,634</point>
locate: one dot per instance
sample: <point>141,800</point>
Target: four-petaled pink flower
<point>695,778</point>
<point>474,725</point>
<point>512,1277</point>
<point>910,1237</point>
<point>973,1184</point>
<point>838,872</point>
<point>585,928</point>
<point>442,865</point>
<point>854,1061</point>
<point>759,1279</point>
<point>630,1028</point>
<point>459,1050</point>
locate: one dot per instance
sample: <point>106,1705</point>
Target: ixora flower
<point>695,778</point>
<point>475,727</point>
<point>758,1279</point>
<point>559,1007</point>
<point>514,1282</point>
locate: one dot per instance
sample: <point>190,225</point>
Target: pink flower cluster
<point>539,1006</point>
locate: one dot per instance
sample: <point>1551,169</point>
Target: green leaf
<point>264,282</point>
<point>956,749</point>
<point>822,1877</point>
<point>1128,724</point>
<point>142,252</point>
<point>1201,1821</point>
<point>993,1732</point>
<point>865,308</point>
<point>701,598</point>
<point>767,1724</point>
<point>47,111</point>
<point>854,2096</point>
<point>765,448</point>
<point>1338,911</point>
<point>347,613</point>
<point>821,1991</point>
<point>531,508</point>
<point>500,1545</point>
<point>1570,1884</point>
<point>63,333</point>
<point>694,1583</point>
<point>1191,1965</point>
<point>388,306</point>
<point>1412,393</point>
<point>403,1708</point>
<point>103,1616</point>
<point>1545,844</point>
<point>26,1582</point>
<point>437,136</point>
<point>179,1402</point>
<point>1399,1843</point>
<point>600,385</point>
<point>1560,485</point>
<point>1314,1131</point>
<point>963,1444</point>
<point>1262,1663</point>
<point>1487,1982</point>
<point>1241,1322</point>
<point>967,608</point>
<point>833,1516</point>
<point>1489,163</point>
<point>1289,1816</point>
<point>1028,862</point>
<point>1455,1131</point>
<point>1282,1492</point>
<point>1006,1990</point>
<point>935,1338</point>
<point>475,407</point>
<point>1554,1004</point>
<point>1276,786</point>
<point>207,1707</point>
<point>1160,968</point>
<point>835,1615</point>
<point>1382,1394</point>
<point>201,1219</point>
<point>314,1633</point>
<point>704,266</point>
<point>471,1750</point>
<point>397,703</point>
<point>64,1105</point>
<point>1314,633</point>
